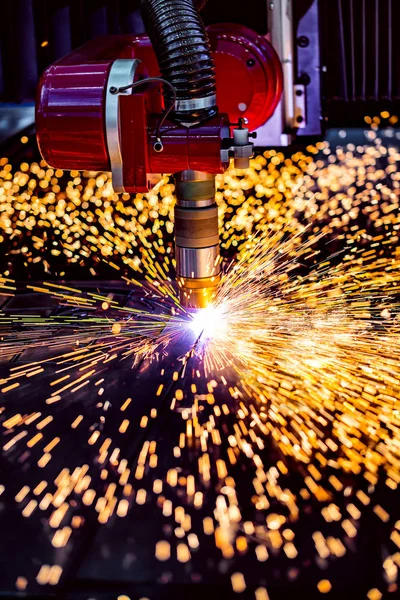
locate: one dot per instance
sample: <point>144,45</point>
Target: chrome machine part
<point>196,103</point>
<point>297,44</point>
<point>195,203</point>
<point>190,193</point>
<point>197,263</point>
<point>122,73</point>
<point>191,175</point>
<point>196,238</point>
<point>276,132</point>
<point>309,69</point>
<point>241,149</point>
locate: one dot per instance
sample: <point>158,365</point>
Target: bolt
<point>304,79</point>
<point>299,93</point>
<point>251,62</point>
<point>299,119</point>
<point>303,41</point>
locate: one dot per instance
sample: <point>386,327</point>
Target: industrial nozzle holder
<point>196,238</point>
<point>101,109</point>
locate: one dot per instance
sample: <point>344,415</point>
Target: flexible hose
<point>181,45</point>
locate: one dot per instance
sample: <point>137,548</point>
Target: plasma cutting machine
<point>170,103</point>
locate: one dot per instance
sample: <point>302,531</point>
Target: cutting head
<point>198,293</point>
<point>196,238</point>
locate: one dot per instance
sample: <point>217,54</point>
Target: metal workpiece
<point>196,238</point>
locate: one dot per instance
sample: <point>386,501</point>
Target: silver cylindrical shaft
<point>196,237</point>
<point>197,263</point>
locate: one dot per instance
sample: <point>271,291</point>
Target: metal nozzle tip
<point>198,293</point>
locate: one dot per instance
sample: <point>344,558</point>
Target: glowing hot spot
<point>208,322</point>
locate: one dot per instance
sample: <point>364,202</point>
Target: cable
<point>158,146</point>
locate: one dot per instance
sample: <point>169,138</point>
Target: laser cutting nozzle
<point>198,293</point>
<point>196,239</point>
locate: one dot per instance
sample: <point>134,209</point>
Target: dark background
<point>360,50</point>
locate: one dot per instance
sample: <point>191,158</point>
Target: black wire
<point>136,84</point>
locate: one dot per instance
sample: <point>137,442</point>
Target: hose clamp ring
<point>196,103</point>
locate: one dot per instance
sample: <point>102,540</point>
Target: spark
<point>283,396</point>
<point>208,322</point>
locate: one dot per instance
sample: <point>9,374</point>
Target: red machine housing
<point>70,112</point>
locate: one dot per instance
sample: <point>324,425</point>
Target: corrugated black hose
<point>184,56</point>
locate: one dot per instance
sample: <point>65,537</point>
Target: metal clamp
<point>242,149</point>
<point>122,73</point>
<point>196,103</point>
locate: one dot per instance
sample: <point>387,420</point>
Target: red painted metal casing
<point>197,148</point>
<point>69,118</point>
<point>249,73</point>
<point>70,112</point>
<point>134,143</point>
<point>70,106</point>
